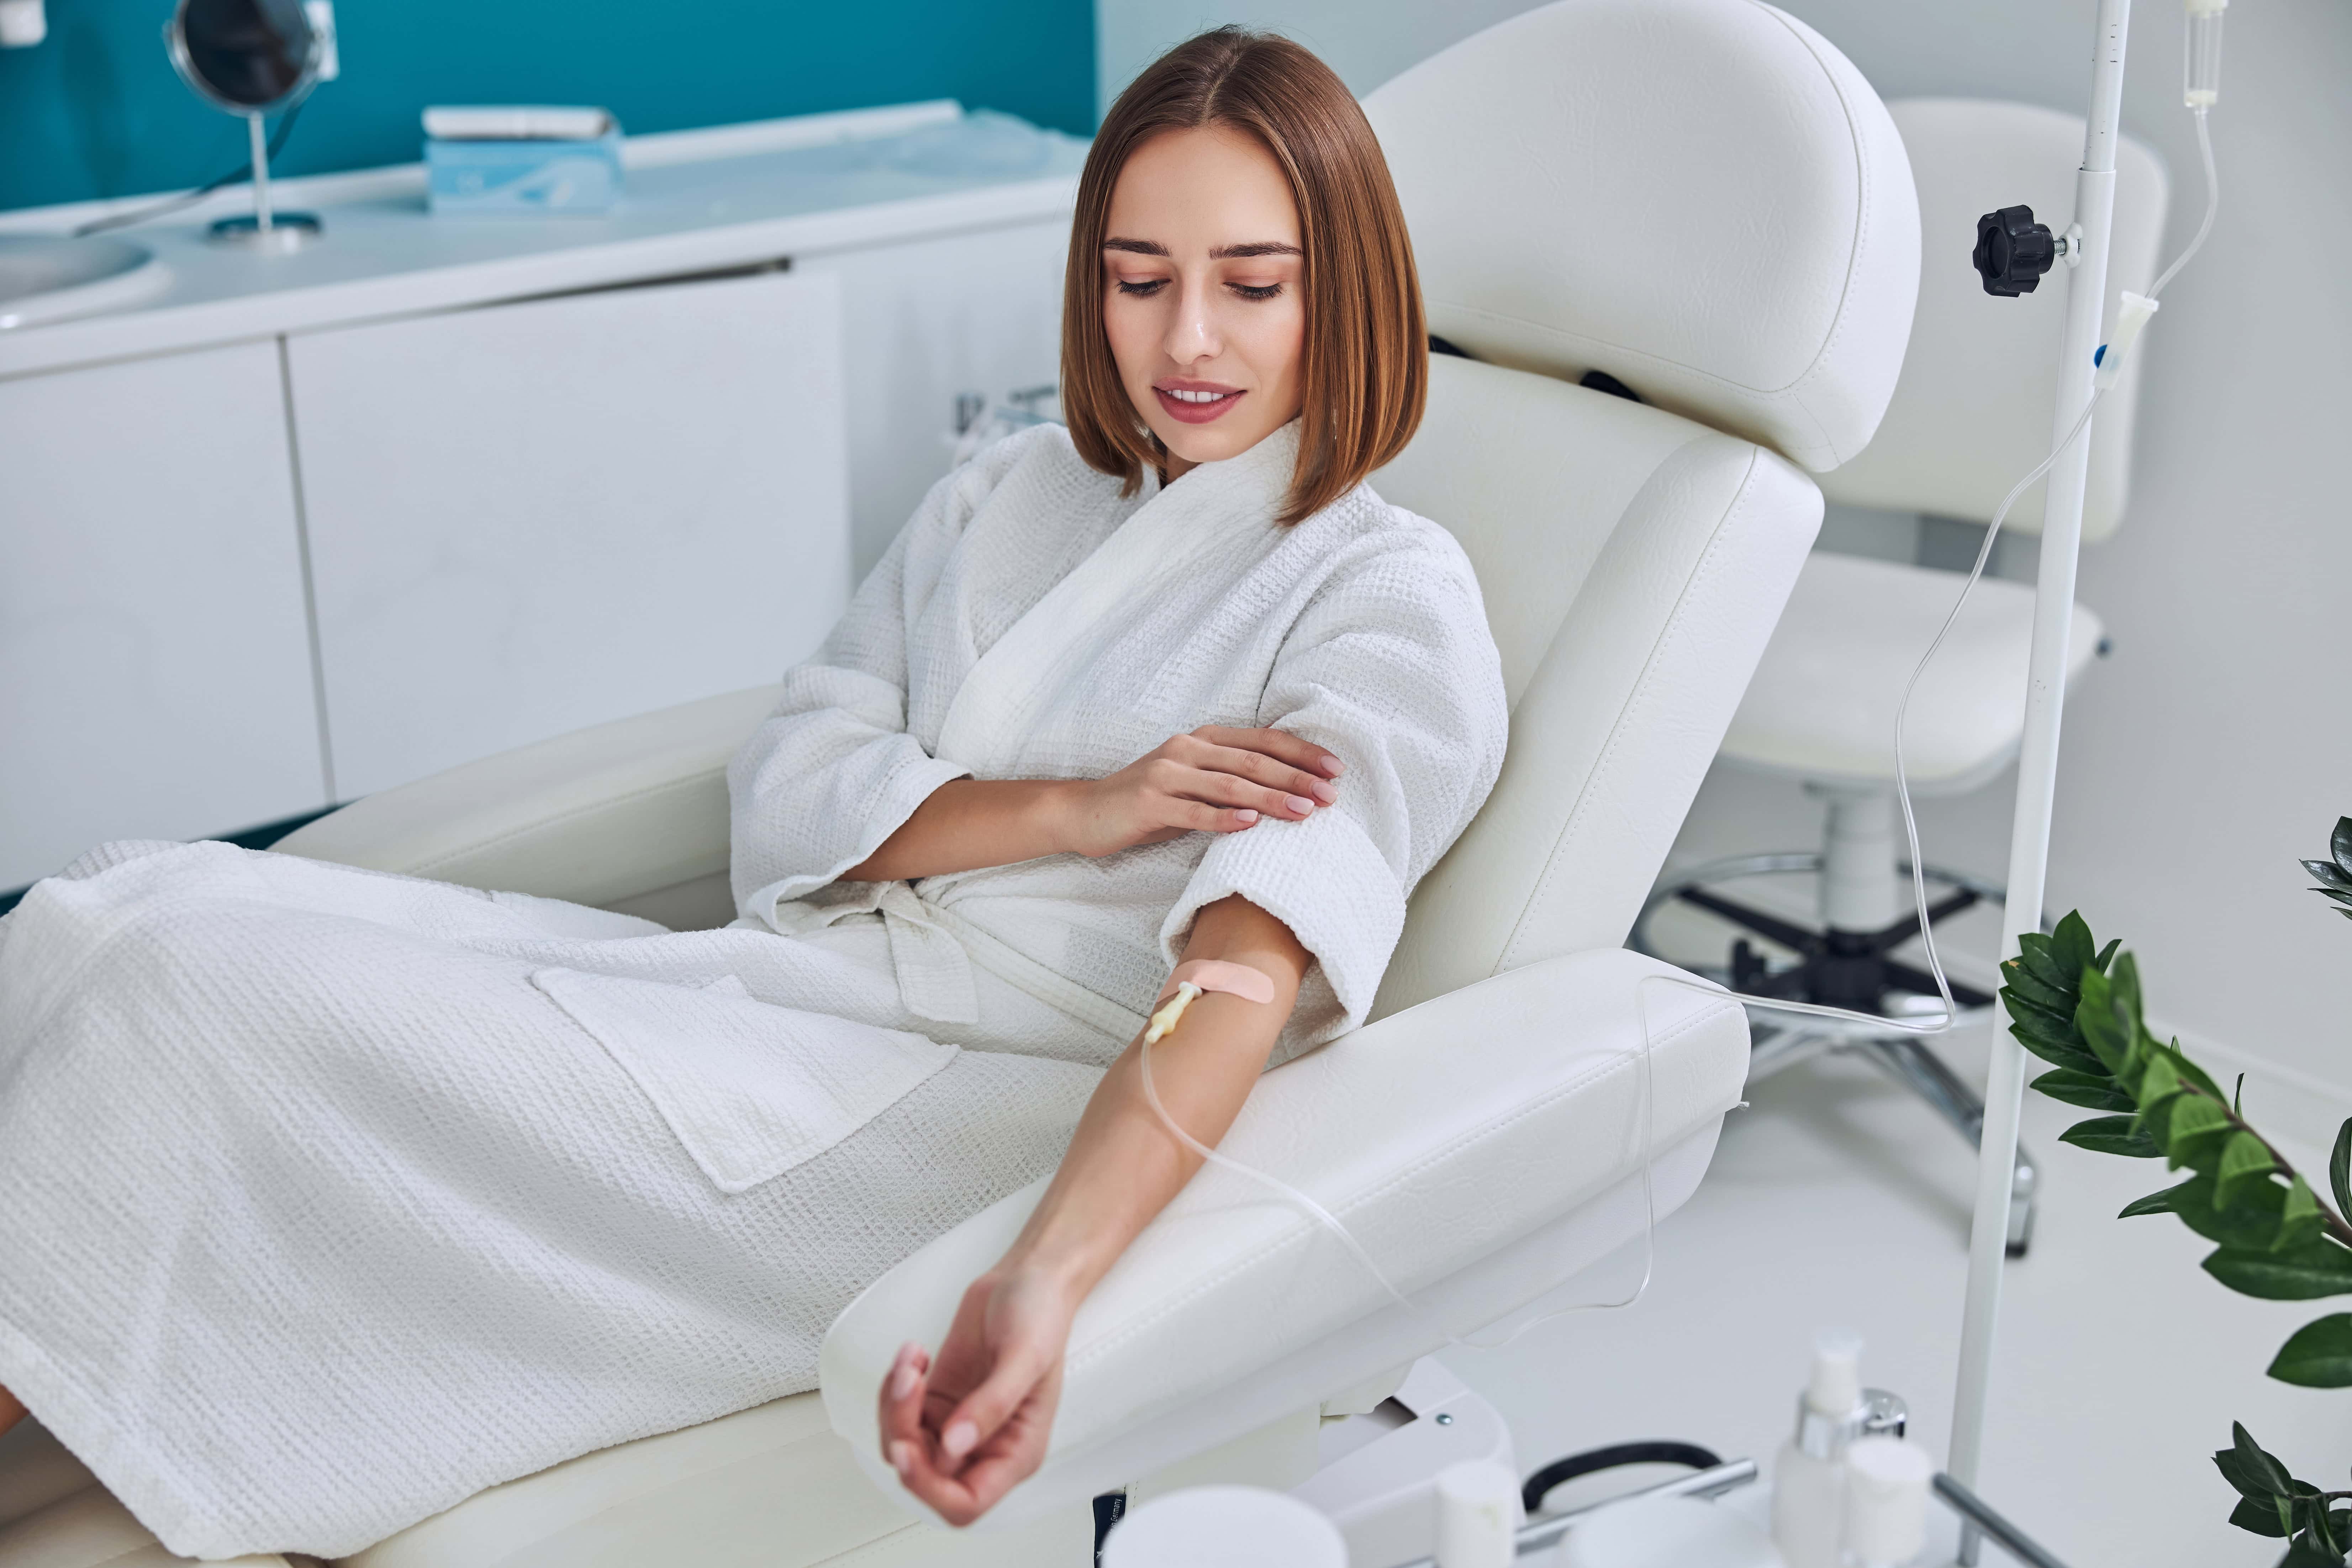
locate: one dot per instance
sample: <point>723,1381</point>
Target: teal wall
<point>96,112</point>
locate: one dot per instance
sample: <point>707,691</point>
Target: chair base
<point>1852,970</point>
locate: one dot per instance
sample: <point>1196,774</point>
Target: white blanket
<point>334,1197</point>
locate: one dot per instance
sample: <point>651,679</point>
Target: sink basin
<point>45,277</point>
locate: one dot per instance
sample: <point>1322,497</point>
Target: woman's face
<point>1200,296</point>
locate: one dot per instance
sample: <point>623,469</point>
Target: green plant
<point>2077,1007</point>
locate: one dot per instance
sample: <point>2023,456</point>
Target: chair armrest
<point>1440,1136</point>
<point>600,815</point>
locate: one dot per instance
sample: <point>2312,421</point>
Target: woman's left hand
<point>963,1429</point>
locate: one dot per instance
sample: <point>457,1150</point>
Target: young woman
<point>337,1198</point>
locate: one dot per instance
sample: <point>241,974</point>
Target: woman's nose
<point>1192,334</point>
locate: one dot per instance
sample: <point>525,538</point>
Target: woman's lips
<point>1197,412</point>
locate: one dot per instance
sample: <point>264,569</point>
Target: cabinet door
<point>154,659</point>
<point>924,321</point>
<point>532,518</point>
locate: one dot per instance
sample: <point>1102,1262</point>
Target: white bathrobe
<point>333,1197</point>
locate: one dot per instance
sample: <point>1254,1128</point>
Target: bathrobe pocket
<point>750,1090</point>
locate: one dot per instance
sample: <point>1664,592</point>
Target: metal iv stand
<point>2037,772</point>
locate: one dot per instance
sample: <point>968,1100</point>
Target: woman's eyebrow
<point>1222,253</point>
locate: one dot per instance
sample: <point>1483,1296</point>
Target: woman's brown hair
<point>1365,365</point>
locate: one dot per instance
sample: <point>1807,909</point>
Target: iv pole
<point>2037,767</point>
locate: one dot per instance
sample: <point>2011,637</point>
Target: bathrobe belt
<point>933,949</point>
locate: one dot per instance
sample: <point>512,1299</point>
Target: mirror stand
<point>262,229</point>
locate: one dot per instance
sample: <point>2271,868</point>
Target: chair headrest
<point>1971,411</point>
<point>1701,198</point>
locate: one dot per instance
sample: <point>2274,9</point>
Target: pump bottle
<point>1809,1478</point>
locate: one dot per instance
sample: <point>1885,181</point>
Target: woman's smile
<point>1195,402</point>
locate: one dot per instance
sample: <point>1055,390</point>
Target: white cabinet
<point>927,321</point>
<point>154,664</point>
<point>533,516</point>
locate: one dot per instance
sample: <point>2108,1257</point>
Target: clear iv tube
<point>1922,1026</point>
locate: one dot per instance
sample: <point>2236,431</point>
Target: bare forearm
<point>1123,1165</point>
<point>967,825</point>
<point>1213,780</point>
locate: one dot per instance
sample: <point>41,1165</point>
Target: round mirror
<point>249,56</point>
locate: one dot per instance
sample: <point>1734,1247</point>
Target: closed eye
<point>1255,290</point>
<point>1143,290</point>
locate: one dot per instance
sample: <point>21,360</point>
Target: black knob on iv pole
<point>2013,251</point>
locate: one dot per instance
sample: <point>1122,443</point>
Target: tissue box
<point>512,176</point>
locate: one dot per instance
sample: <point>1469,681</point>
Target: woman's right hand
<point>1214,780</point>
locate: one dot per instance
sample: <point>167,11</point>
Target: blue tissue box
<point>508,178</point>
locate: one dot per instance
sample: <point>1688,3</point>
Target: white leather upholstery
<point>1823,702</point>
<point>88,1529</point>
<point>772,1487</point>
<point>1633,565</point>
<point>630,815</point>
<point>1439,1136</point>
<point>1701,197</point>
<point>1971,411</point>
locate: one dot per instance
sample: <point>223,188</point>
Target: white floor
<point>1839,1199</point>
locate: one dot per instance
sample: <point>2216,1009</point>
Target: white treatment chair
<point>1971,414</point>
<point>1699,197</point>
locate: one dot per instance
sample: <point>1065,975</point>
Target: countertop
<point>696,201</point>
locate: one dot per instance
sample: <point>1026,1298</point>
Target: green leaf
<point>2031,988</point>
<point>2157,1202</point>
<point>2244,1159</point>
<point>2159,1078</point>
<point>2339,1170</point>
<point>2110,1135</point>
<point>2260,1515</point>
<point>2339,845</point>
<point>2095,1021</point>
<point>2318,1355</point>
<point>2302,1555</point>
<point>2106,955</point>
<point>2250,1224</point>
<point>2247,1466</point>
<point>2308,1518</point>
<point>2093,1092</point>
<point>2039,955</point>
<point>2196,1128</point>
<point>2300,1223</point>
<point>2055,1042</point>
<point>2123,981</point>
<point>2190,1071</point>
<point>2072,944</point>
<point>2321,1269</point>
<point>2327,876</point>
<point>2317,1526</point>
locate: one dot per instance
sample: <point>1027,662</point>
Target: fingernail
<point>1245,818</point>
<point>1334,766</point>
<point>1324,792</point>
<point>1301,804</point>
<point>959,1439</point>
<point>902,1456</point>
<point>902,1384</point>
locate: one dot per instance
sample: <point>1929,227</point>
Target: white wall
<point>2214,749</point>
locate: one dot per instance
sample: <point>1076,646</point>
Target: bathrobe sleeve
<point>1390,667</point>
<point>832,772</point>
